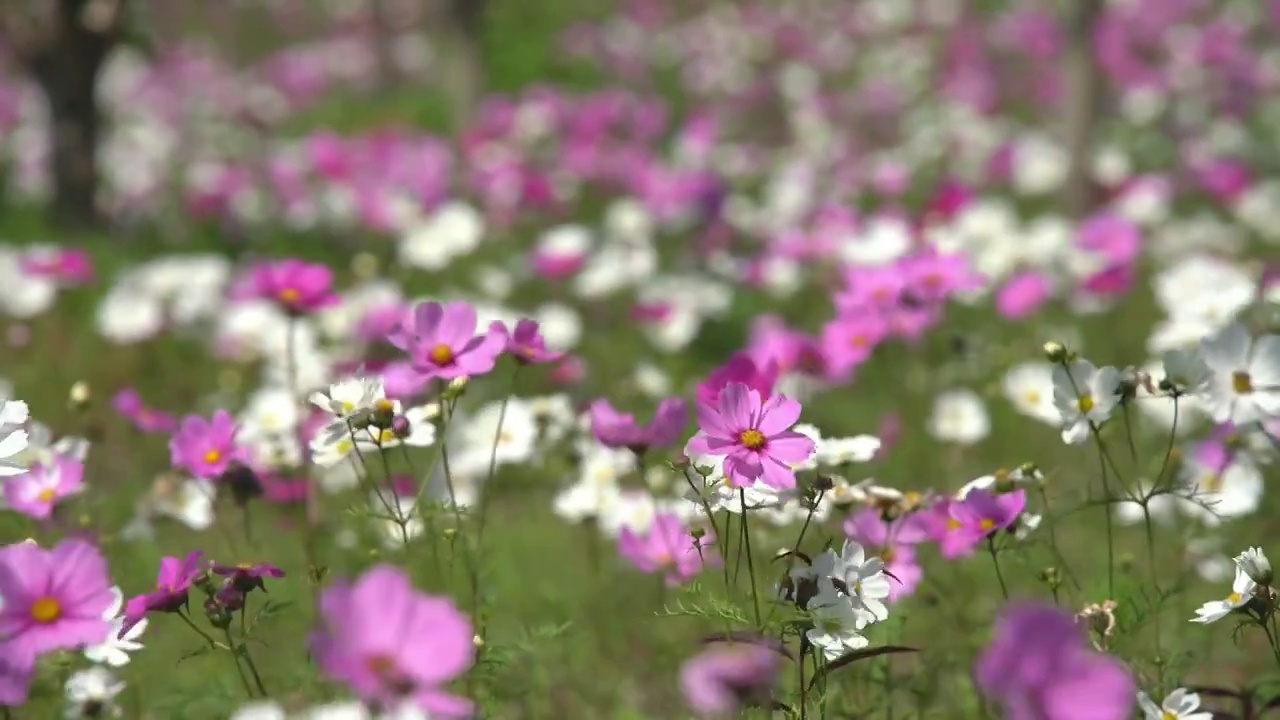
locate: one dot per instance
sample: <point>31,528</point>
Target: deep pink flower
<point>206,448</point>
<point>301,287</point>
<point>15,681</point>
<point>247,576</point>
<point>1112,236</point>
<point>170,594</point>
<point>1039,667</point>
<point>441,341</point>
<point>958,526</point>
<point>52,599</point>
<point>1224,178</point>
<point>753,437</point>
<point>620,430</point>
<point>1022,294</point>
<point>387,641</point>
<point>65,266</point>
<point>725,678</point>
<point>525,343</point>
<point>668,547</point>
<point>35,492</point>
<point>739,368</point>
<point>932,277</point>
<point>571,369</point>
<point>129,403</point>
<point>771,340</point>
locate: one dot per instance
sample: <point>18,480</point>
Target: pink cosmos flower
<point>525,343</point>
<point>932,277</point>
<point>66,266</point>
<point>772,340</point>
<point>1112,236</point>
<point>53,599</point>
<point>892,540</point>
<point>959,525</point>
<point>441,341</point>
<point>1022,294</point>
<point>668,547</point>
<point>300,287</point>
<point>848,341</point>
<point>739,368</point>
<point>753,437</point>
<point>388,642</point>
<point>723,679</point>
<point>170,594</point>
<point>129,403</point>
<point>1039,666</point>
<point>571,369</point>
<point>206,448</point>
<point>247,576</point>
<point>35,492</point>
<point>620,430</point>
<point>15,682</point>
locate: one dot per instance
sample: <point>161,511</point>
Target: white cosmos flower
<point>1255,564</point>
<point>92,693</point>
<point>1178,705</point>
<point>512,435</point>
<point>14,441</point>
<point>114,649</point>
<point>959,416</point>
<point>1029,386</point>
<point>1083,395</point>
<point>863,576</point>
<point>1222,492</point>
<point>337,441</point>
<point>1186,371</point>
<point>837,625</point>
<point>454,230</point>
<point>351,398</point>
<point>834,452</point>
<point>1245,386</point>
<point>1242,588</point>
<point>344,710</point>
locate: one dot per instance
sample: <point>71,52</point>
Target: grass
<point>567,637</point>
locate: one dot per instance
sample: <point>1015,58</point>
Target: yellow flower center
<point>1241,382</point>
<point>753,439</point>
<point>1085,403</point>
<point>244,566</point>
<point>953,524</point>
<point>441,354</point>
<point>986,523</point>
<point>1213,483</point>
<point>212,455</point>
<point>1168,715</point>
<point>1234,598</point>
<point>887,555</point>
<point>1032,397</point>
<point>46,495</point>
<point>384,405</point>
<point>46,609</point>
<point>381,665</point>
<point>289,295</point>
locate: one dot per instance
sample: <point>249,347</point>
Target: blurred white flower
<point>115,648</point>
<point>92,693</point>
<point>959,416</point>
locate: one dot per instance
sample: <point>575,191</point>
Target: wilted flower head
<point>1254,563</point>
<point>1100,619</point>
<point>170,594</point>
<point>247,576</point>
<point>727,677</point>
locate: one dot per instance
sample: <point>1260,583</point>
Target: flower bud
<point>401,426</point>
<point>219,616</point>
<point>456,388</point>
<point>78,398</point>
<point>1254,563</point>
<point>1056,352</point>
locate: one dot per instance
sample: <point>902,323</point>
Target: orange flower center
<point>953,524</point>
<point>46,609</point>
<point>858,341</point>
<point>887,554</point>
<point>986,523</point>
<point>753,439</point>
<point>212,455</point>
<point>289,295</point>
<point>441,354</point>
<point>46,495</point>
<point>383,666</point>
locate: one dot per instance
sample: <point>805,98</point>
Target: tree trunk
<point>1083,104</point>
<point>69,83</point>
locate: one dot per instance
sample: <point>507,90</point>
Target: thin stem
<point>1106,509</point>
<point>751,570</point>
<point>207,637</point>
<point>804,700</point>
<point>711,518</point>
<point>493,454</point>
<point>995,560</point>
<point>235,657</point>
<point>1052,525</point>
<point>1152,567</point>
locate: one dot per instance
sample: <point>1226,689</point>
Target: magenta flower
<point>959,525</point>
<point>170,594</point>
<point>35,492</point>
<point>1039,667</point>
<point>620,430</point>
<point>300,287</point>
<point>52,599</point>
<point>441,341</point>
<point>129,403</point>
<point>945,523</point>
<point>525,343</point>
<point>247,576</point>
<point>893,541</point>
<point>65,266</point>
<point>388,641</point>
<point>206,448</point>
<point>752,436</point>
<point>739,368</point>
<point>725,678</point>
<point>668,547</point>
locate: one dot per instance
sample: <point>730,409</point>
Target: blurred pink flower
<point>726,678</point>
<point>36,492</point>
<point>668,547</point>
<point>206,448</point>
<point>300,287</point>
<point>53,599</point>
<point>620,430</point>
<point>441,341</point>
<point>1022,294</point>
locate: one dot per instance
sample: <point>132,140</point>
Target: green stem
<point>995,560</point>
<point>751,570</point>
<point>236,654</point>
